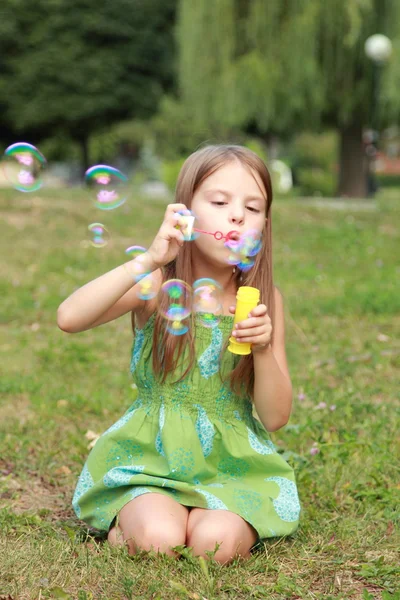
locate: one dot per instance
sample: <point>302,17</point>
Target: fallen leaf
<point>62,402</point>
<point>381,337</point>
<point>64,470</point>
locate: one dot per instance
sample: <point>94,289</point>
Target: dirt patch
<point>33,495</point>
<point>19,410</point>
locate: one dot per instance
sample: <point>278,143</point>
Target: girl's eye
<point>220,203</point>
<point>252,209</point>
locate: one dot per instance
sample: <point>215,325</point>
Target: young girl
<point>188,463</point>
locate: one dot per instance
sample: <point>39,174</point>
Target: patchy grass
<point>338,271</point>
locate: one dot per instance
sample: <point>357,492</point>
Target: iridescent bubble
<point>99,235</point>
<point>137,269</point>
<point>244,249</point>
<point>109,185</point>
<point>187,224</point>
<point>207,301</point>
<point>23,167</point>
<point>147,287</point>
<point>175,305</point>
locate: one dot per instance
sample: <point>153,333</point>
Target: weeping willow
<point>283,64</point>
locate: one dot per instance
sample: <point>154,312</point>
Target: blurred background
<point>311,86</point>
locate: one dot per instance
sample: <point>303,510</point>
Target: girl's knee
<point>155,536</point>
<point>226,544</point>
<point>115,536</point>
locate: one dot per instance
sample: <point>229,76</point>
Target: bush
<point>315,181</point>
<point>170,171</point>
<point>313,158</point>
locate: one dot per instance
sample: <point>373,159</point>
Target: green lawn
<point>339,273</point>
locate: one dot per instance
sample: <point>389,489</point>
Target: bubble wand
<point>188,230</point>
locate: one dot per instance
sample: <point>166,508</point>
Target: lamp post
<point>378,49</point>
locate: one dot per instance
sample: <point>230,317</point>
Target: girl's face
<point>232,198</point>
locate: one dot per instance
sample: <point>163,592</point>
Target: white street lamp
<point>378,48</point>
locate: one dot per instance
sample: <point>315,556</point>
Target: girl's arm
<point>115,293</point>
<point>273,390</point>
<point>104,299</point>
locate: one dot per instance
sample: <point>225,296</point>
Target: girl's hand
<point>169,239</point>
<point>256,329</point>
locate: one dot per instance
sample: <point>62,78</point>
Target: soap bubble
<point>99,235</point>
<point>147,287</point>
<point>23,167</point>
<point>207,301</point>
<point>175,305</point>
<point>109,185</point>
<point>138,270</point>
<point>187,222</point>
<point>244,249</point>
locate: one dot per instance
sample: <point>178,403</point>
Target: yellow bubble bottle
<point>247,298</point>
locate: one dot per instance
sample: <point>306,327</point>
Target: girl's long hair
<point>168,349</point>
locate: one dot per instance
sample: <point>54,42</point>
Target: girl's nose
<point>237,215</point>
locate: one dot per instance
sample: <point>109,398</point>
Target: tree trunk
<point>353,166</point>
<point>84,142</point>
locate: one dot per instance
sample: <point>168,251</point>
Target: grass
<point>338,271</point>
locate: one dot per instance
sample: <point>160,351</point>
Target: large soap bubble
<point>244,248</point>
<point>110,186</point>
<point>23,167</point>
<point>175,305</point>
<point>207,301</point>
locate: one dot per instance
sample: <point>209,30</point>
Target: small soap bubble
<point>207,301</point>
<point>99,235</point>
<point>187,223</point>
<point>23,167</point>
<point>175,305</point>
<point>147,288</point>
<point>137,269</point>
<point>110,186</point>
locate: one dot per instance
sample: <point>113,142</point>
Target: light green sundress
<point>195,441</point>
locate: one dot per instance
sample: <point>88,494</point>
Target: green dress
<point>195,441</point>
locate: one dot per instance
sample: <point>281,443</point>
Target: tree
<point>76,66</point>
<point>280,66</point>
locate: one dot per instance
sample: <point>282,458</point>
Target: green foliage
<point>281,65</point>
<point>75,67</point>
<point>176,133</point>
<point>170,171</point>
<point>258,147</point>
<point>313,159</point>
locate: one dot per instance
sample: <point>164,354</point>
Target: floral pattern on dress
<point>123,452</point>
<point>212,501</point>
<point>287,504</point>
<point>85,483</point>
<point>208,361</point>
<point>161,421</point>
<point>121,475</point>
<point>265,447</point>
<point>125,418</point>
<point>181,462</point>
<point>137,349</point>
<point>234,468</point>
<point>247,501</point>
<point>205,430</point>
